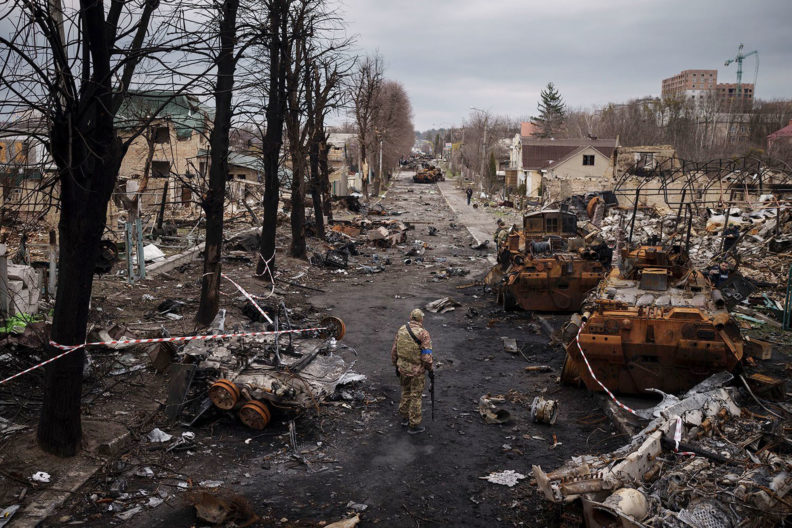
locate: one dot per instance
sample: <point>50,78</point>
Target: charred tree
<point>212,203</point>
<point>324,95</point>
<point>77,108</point>
<point>278,56</point>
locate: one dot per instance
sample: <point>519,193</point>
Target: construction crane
<point>739,60</point>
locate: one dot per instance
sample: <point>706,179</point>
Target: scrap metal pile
<point>255,376</point>
<point>704,460</point>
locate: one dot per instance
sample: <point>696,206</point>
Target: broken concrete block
<point>378,234</point>
<point>24,287</point>
<point>757,348</point>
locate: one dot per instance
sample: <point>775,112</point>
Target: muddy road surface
<point>354,456</point>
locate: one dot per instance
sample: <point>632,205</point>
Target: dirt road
<point>355,456</point>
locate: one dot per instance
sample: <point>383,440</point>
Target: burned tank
<point>429,174</point>
<point>547,266</point>
<point>654,322</point>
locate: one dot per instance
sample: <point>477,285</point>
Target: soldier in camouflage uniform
<point>501,233</point>
<point>412,358</point>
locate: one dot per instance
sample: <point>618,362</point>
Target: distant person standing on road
<point>411,354</point>
<point>469,193</point>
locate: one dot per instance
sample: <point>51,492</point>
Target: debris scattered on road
<point>544,411</point>
<point>508,478</point>
<point>489,409</point>
<point>538,368</point>
<point>714,449</point>
<point>219,506</point>
<point>510,345</point>
<point>442,305</point>
<point>346,523</point>
<point>157,435</point>
<point>41,476</point>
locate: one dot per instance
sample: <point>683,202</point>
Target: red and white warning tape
<point>583,355</point>
<point>677,430</point>
<point>678,438</point>
<point>249,298</point>
<point>71,348</point>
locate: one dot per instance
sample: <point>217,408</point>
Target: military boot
<point>416,429</point>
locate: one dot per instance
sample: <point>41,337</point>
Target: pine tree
<point>552,112</point>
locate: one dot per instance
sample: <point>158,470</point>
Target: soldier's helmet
<point>501,222</point>
<point>417,315</point>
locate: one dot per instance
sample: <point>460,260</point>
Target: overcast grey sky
<point>498,54</point>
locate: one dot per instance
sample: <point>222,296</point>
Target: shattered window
<point>588,159</point>
<point>161,135</point>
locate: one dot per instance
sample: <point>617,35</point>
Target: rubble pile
<point>702,460</point>
<point>758,246</point>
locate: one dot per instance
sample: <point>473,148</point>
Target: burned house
<point>167,150</point>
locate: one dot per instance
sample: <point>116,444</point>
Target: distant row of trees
<point>279,67</point>
<point>698,131</point>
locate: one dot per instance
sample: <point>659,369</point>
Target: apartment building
<point>698,85</point>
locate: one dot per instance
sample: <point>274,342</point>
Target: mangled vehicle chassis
<point>655,324</point>
<point>702,462</point>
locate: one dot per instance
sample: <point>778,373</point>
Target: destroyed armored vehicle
<point>429,174</point>
<point>271,371</point>
<point>547,266</point>
<point>654,322</point>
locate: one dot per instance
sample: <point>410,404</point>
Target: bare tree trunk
<point>316,185</point>
<point>298,248</point>
<point>324,170</point>
<point>86,186</point>
<point>364,177</point>
<point>218,169</point>
<point>273,139</point>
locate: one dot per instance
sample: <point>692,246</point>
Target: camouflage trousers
<point>410,405</point>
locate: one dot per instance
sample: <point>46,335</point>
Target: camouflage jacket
<point>411,359</point>
<point>501,234</point>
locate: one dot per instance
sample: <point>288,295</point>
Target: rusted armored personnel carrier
<point>654,323</point>
<point>429,174</point>
<point>547,266</point>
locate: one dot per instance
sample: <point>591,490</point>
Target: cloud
<point>498,54</point>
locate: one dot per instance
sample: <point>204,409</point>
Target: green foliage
<point>522,189</point>
<point>552,112</point>
<point>18,323</point>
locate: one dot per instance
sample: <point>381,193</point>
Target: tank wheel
<point>333,327</point>
<point>224,394</point>
<point>255,414</point>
